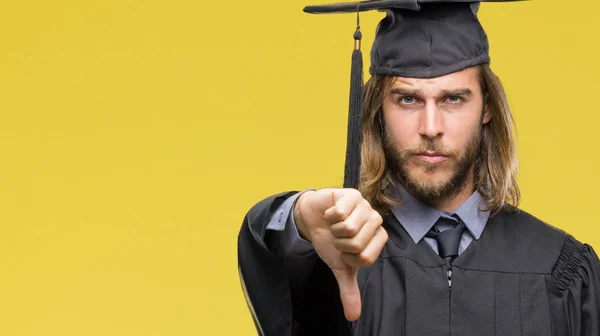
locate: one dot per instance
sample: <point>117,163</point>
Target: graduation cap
<point>418,39</point>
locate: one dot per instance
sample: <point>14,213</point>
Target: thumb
<point>349,292</point>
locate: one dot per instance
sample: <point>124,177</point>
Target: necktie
<point>448,240</point>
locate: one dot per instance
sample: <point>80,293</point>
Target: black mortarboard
<point>417,38</point>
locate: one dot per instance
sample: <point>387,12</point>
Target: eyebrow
<point>463,92</point>
<point>406,92</point>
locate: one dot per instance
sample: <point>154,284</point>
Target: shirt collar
<point>417,217</point>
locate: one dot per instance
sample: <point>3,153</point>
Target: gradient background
<point>135,135</point>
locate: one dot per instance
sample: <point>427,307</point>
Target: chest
<point>402,297</point>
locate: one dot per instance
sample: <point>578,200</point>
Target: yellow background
<point>135,135</point>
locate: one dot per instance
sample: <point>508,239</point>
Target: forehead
<point>467,78</point>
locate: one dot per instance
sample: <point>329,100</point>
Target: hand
<point>346,234</point>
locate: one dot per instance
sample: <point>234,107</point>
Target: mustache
<point>425,145</point>
<point>429,146</point>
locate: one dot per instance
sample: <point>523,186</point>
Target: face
<point>433,132</point>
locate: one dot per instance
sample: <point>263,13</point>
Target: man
<point>430,243</point>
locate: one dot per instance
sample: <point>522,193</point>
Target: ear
<point>381,123</point>
<point>487,114</point>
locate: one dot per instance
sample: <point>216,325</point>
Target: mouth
<point>431,157</point>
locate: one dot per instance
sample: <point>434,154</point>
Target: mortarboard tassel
<point>355,113</point>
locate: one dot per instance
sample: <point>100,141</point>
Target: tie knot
<point>448,240</point>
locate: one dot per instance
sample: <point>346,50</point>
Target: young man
<point>430,244</point>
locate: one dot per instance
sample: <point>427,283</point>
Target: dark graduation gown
<point>522,277</point>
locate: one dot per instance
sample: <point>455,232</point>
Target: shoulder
<point>526,243</point>
<point>530,230</point>
<point>526,223</point>
<point>535,238</point>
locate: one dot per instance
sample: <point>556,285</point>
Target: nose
<point>431,121</point>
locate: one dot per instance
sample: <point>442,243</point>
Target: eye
<point>454,99</point>
<point>407,100</point>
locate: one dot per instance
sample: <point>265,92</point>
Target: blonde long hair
<point>495,171</point>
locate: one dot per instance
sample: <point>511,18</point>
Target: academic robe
<point>522,277</point>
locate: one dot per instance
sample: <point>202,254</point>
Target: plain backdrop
<point>135,135</point>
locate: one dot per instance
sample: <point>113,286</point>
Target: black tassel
<point>355,114</point>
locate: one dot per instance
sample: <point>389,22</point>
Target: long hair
<point>495,170</point>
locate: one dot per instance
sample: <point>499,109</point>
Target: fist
<point>346,234</point>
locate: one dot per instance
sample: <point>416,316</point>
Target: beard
<point>425,185</point>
